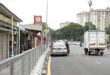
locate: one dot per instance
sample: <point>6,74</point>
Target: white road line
<point>97,62</point>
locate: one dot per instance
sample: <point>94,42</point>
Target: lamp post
<point>90,4</point>
<point>47,13</point>
<point>46,30</point>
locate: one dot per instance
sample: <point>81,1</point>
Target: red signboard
<point>38,20</point>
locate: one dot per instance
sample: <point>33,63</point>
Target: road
<point>77,63</point>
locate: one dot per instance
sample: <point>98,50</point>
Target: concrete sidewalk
<point>38,69</point>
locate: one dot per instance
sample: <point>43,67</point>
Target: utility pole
<point>46,31</point>
<point>47,13</point>
<point>89,17</point>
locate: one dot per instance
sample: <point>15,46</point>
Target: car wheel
<point>97,53</point>
<point>101,53</point>
<point>89,53</point>
<point>85,51</point>
<point>66,54</point>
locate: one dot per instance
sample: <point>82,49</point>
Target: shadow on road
<point>95,55</point>
<point>59,56</point>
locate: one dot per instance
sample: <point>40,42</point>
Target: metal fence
<point>22,64</point>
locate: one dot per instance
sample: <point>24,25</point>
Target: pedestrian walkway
<point>24,63</point>
<point>39,67</point>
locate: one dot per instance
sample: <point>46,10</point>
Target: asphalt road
<point>77,63</point>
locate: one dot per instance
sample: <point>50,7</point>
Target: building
<point>34,35</point>
<point>7,18</point>
<point>98,17</point>
<point>64,24</point>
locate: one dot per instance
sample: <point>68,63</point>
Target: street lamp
<point>90,4</point>
<point>47,13</point>
<point>46,30</point>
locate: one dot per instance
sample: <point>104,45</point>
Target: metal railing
<point>22,64</point>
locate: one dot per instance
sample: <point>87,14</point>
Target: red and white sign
<point>38,20</point>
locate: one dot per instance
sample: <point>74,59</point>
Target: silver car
<point>59,48</point>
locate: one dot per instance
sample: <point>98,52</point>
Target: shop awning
<point>32,27</point>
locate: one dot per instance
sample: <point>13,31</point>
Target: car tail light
<point>101,44</point>
<point>53,48</point>
<point>65,49</point>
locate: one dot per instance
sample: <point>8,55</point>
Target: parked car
<point>59,48</point>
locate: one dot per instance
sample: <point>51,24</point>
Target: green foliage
<point>52,33</point>
<point>108,30</point>
<point>89,25</point>
<point>73,31</point>
<point>108,39</point>
<point>82,38</point>
<point>44,26</point>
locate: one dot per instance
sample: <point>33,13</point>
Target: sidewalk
<point>40,64</point>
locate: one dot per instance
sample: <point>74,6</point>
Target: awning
<point>3,29</point>
<point>32,27</point>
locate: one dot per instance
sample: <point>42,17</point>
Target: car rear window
<point>56,45</point>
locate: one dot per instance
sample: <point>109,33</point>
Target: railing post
<point>29,64</point>
<point>35,55</point>
<point>33,59</point>
<point>22,63</point>
<point>12,68</point>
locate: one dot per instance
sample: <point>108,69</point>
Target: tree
<point>72,31</point>
<point>107,30</point>
<point>44,26</point>
<point>52,33</point>
<point>89,25</point>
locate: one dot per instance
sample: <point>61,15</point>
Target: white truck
<point>94,42</point>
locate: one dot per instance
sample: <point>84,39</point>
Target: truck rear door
<point>101,40</point>
<point>93,40</point>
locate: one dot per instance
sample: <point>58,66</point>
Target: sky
<point>59,11</point>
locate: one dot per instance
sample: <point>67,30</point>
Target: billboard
<point>38,20</point>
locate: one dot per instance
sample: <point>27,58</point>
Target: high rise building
<point>99,17</point>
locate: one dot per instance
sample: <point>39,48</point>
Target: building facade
<point>7,18</point>
<point>99,17</point>
<point>33,39</point>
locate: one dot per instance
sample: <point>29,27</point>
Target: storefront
<point>7,20</point>
<point>33,38</point>
<point>4,45</point>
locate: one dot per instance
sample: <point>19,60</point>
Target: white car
<point>59,48</point>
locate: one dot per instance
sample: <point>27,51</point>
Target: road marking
<point>49,67</point>
<point>98,62</point>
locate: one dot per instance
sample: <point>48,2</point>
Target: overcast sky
<point>58,10</point>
